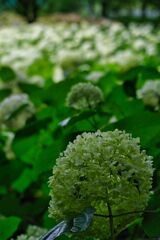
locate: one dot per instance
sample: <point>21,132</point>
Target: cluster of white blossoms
<point>83,96</point>
<point>130,59</point>
<point>150,93</point>
<point>69,46</point>
<point>15,110</point>
<point>32,233</point>
<point>98,170</point>
<point>94,76</point>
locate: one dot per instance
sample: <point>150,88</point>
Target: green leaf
<point>108,82</point>
<point>33,127</point>
<point>3,190</point>
<point>47,221</point>
<point>23,144</point>
<point>42,67</point>
<point>46,157</point>
<point>76,118</point>
<point>151,225</point>
<point>4,93</point>
<point>144,125</point>
<point>45,112</point>
<point>147,74</point>
<point>121,105</point>
<point>7,74</point>
<point>8,226</point>
<point>24,180</point>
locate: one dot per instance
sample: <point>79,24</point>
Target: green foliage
<point>7,74</point>
<point>61,6</point>
<point>8,226</point>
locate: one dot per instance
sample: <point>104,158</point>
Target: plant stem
<point>110,218</point>
<point>92,121</point>
<point>127,213</point>
<point>111,221</point>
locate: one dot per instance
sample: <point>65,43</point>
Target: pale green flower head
<point>83,96</point>
<point>97,169</point>
<point>150,93</point>
<point>32,233</point>
<point>15,110</point>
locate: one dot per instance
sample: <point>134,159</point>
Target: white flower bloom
<point>72,45</point>
<point>98,169</point>
<point>15,110</point>
<point>58,74</point>
<point>32,233</point>
<point>150,93</point>
<point>84,96</point>
<point>94,76</point>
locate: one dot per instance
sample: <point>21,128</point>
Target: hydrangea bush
<point>83,96</point>
<point>104,170</point>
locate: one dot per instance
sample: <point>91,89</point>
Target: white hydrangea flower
<point>98,169</point>
<point>36,80</point>
<point>69,45</point>
<point>58,74</point>
<point>12,106</point>
<point>126,59</point>
<point>139,44</point>
<point>32,233</point>
<point>94,76</point>
<point>84,96</point>
<point>150,93</point>
<point>68,58</point>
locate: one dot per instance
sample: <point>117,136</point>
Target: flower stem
<point>127,213</point>
<point>111,221</point>
<point>110,217</point>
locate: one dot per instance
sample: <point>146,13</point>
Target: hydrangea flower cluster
<point>18,105</point>
<point>94,76</point>
<point>100,169</point>
<point>83,96</point>
<point>32,233</point>
<point>150,93</point>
